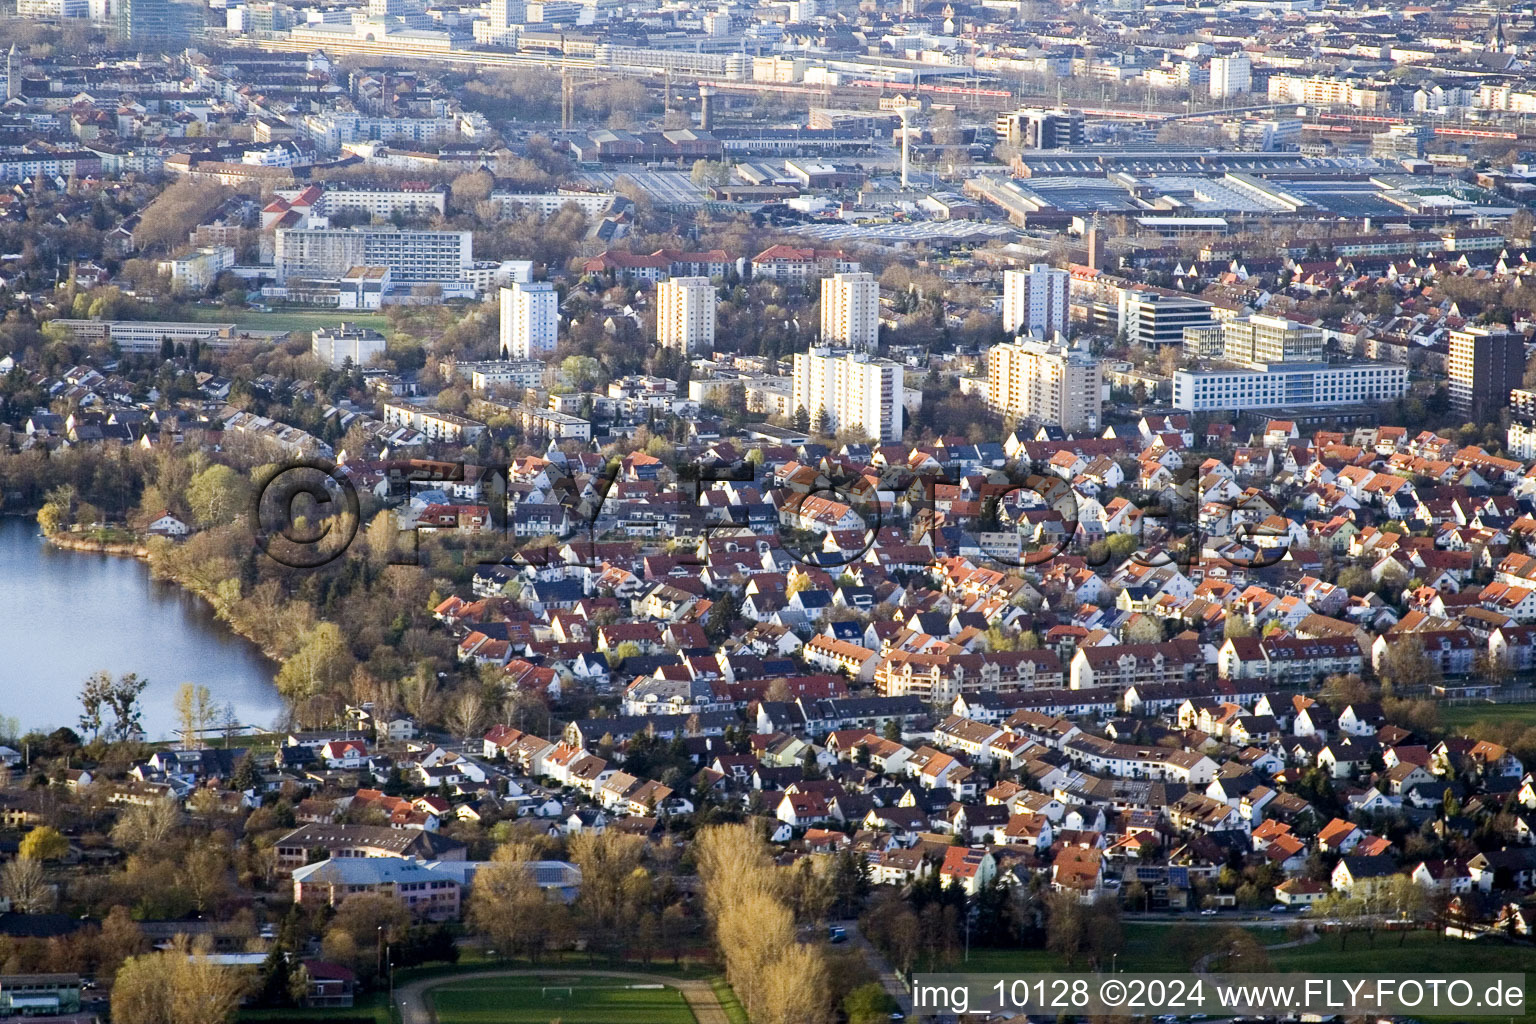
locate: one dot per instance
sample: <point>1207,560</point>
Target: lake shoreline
<point>140,624</point>
<point>79,542</point>
<point>139,549</point>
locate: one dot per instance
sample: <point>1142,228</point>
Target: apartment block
<point>530,320</point>
<point>850,311</point>
<point>850,391</point>
<point>1035,301</point>
<point>1230,76</point>
<point>443,427</point>
<point>413,257</point>
<point>1483,368</point>
<point>1031,380</point>
<point>685,314</point>
<point>334,346</point>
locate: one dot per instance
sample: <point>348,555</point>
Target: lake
<point>66,614</point>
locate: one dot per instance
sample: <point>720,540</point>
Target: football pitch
<point>568,999</point>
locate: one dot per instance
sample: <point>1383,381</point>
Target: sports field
<point>1459,717</point>
<point>302,321</point>
<point>570,1000</point>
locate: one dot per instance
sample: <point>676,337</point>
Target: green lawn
<point>369,1007</point>
<point>1397,953</point>
<point>1146,949</point>
<point>1458,717</point>
<point>530,1001</point>
<point>297,320</point>
<point>729,1001</point>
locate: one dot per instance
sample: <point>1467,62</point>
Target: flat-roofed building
<point>334,346</point>
<point>1045,383</point>
<point>843,390</point>
<point>685,314</point>
<point>1035,301</point>
<point>1280,386</point>
<point>850,311</point>
<point>530,320</point>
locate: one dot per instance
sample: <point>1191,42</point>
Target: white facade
<point>850,391</point>
<point>530,320</point>
<point>547,204</point>
<point>1230,76</point>
<point>1521,440</point>
<point>850,311</point>
<point>1286,386</point>
<point>376,202</point>
<point>335,345</point>
<point>196,271</point>
<point>685,314</point>
<point>1035,301</point>
<point>413,257</point>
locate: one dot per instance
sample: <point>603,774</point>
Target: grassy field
<point>1146,949</point>
<point>1392,953</point>
<point>1460,716</point>
<point>526,1001</point>
<point>1399,953</point>
<point>370,1007</point>
<point>302,321</point>
<point>729,1001</point>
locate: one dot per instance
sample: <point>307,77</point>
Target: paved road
<point>1203,964</point>
<point>412,999</point>
<point>886,976</point>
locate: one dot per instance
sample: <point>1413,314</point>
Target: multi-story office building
<point>850,311</point>
<point>530,320</point>
<point>335,345</point>
<point>1230,76</point>
<point>685,314</point>
<point>1045,383</point>
<point>1030,128</point>
<point>1260,340</point>
<point>413,257</point>
<point>1282,386</point>
<point>144,20</point>
<point>1483,368</point>
<point>850,391</point>
<point>1152,319</point>
<point>1035,301</point>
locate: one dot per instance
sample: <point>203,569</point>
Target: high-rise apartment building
<point>1483,368</point>
<point>1035,301</point>
<point>685,314</point>
<point>530,320</point>
<point>1049,384</point>
<point>1230,76</point>
<point>1261,340</point>
<point>850,311</point>
<point>850,391</point>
